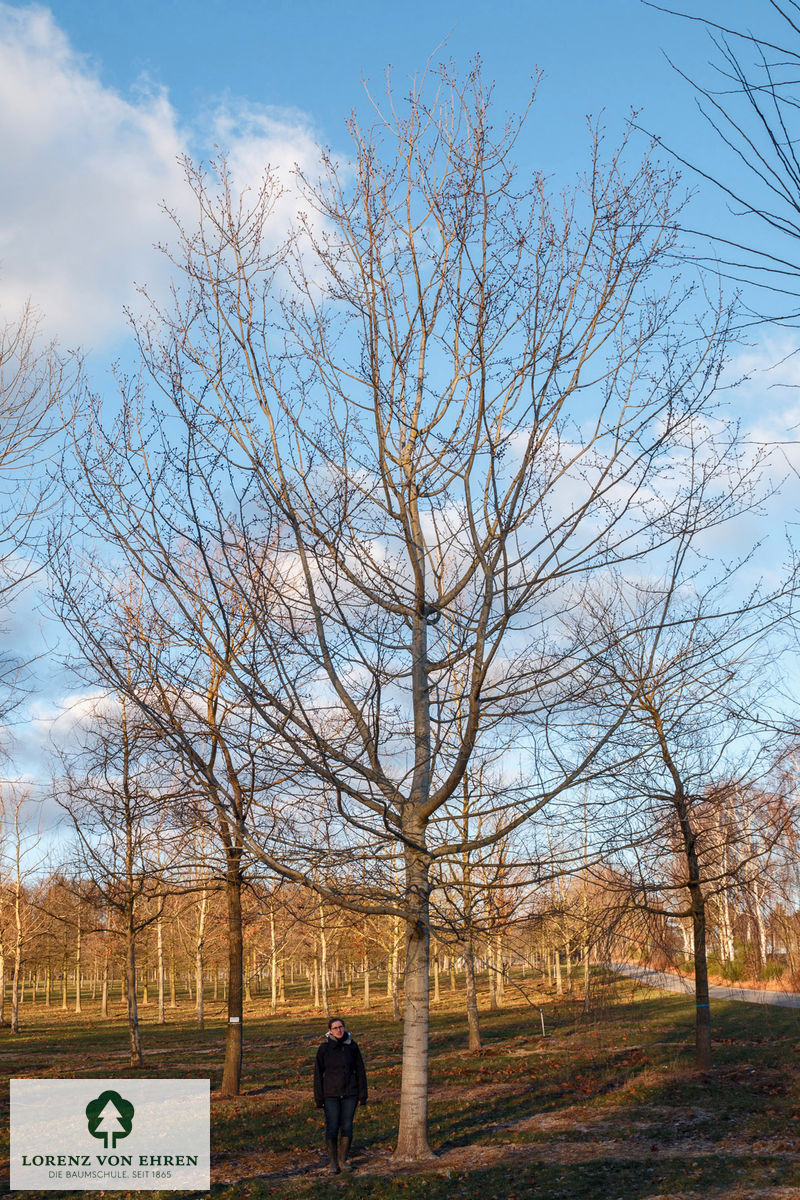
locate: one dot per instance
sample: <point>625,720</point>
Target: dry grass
<point>599,1109</point>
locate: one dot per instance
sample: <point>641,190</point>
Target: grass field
<point>605,1108</point>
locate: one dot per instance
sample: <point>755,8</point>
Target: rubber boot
<point>333,1157</point>
<point>344,1150</point>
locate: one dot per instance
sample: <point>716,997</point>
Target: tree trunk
<point>15,981</point>
<point>395,966</point>
<point>499,990</point>
<point>727,945</point>
<point>758,922</point>
<point>698,913</point>
<point>18,943</point>
<point>323,960</point>
<point>273,964</point>
<point>681,801</point>
<point>587,980</point>
<point>703,1021</point>
<point>473,1022</point>
<point>492,977</point>
<point>104,987</point>
<point>412,1134</point>
<point>160,967</point>
<point>78,970</point>
<point>199,976</point>
<point>134,1036</point>
<point>232,1070</point>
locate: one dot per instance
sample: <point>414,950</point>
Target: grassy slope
<point>598,1109</point>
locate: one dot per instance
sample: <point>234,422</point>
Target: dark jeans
<point>339,1113</point>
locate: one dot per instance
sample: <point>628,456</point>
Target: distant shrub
<point>733,971</point>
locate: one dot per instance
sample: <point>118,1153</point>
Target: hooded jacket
<point>339,1070</point>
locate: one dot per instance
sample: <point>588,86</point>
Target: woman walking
<point>340,1085</point>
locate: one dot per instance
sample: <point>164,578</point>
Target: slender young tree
<point>209,735</point>
<point>116,798</point>
<point>21,860</point>
<point>689,673</point>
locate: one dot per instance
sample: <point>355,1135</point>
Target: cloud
<point>47,725</point>
<point>90,170</point>
<point>764,383</point>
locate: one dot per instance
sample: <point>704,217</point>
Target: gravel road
<point>678,983</point>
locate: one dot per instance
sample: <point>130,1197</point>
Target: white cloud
<point>58,719</point>
<point>764,383</point>
<point>765,390</point>
<point>86,171</point>
<point>45,725</point>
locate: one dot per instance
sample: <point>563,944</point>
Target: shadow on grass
<point>621,1178</point>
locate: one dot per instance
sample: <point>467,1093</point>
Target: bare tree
<point>409,439</point>
<point>749,99</point>
<point>117,799</point>
<point>203,734</point>
<point>34,380</point>
<point>21,860</point>
<point>689,673</point>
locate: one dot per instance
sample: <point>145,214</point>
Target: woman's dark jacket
<point>339,1070</point>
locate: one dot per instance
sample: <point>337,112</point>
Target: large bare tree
<point>405,440</point>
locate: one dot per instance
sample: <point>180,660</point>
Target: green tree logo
<point>109,1116</point>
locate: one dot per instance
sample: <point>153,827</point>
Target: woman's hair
<point>331,1021</point>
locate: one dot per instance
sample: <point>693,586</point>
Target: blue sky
<point>312,55</point>
<point>98,98</point>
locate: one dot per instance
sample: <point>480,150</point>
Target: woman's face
<point>337,1029</point>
